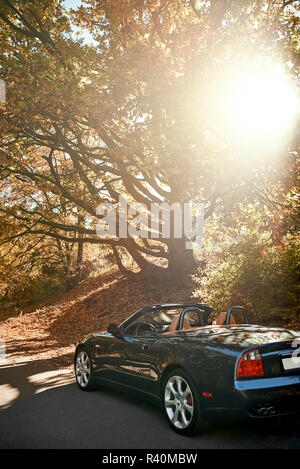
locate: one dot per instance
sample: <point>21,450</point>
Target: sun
<point>259,106</point>
<point>264,103</point>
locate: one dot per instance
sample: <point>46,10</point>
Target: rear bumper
<point>270,396</point>
<point>259,399</point>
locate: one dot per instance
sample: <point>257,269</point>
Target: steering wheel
<point>147,325</point>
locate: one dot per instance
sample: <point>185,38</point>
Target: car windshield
<point>162,320</point>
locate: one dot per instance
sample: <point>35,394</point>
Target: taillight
<point>250,364</point>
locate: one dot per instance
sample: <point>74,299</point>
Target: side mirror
<point>113,329</point>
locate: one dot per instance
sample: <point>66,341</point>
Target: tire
<point>84,373</point>
<point>182,404</point>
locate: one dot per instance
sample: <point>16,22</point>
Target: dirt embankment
<point>50,333</point>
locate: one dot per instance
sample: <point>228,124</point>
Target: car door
<point>109,353</point>
<point>145,350</point>
<point>130,359</point>
<point>139,367</point>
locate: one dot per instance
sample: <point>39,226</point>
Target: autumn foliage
<point>121,97</point>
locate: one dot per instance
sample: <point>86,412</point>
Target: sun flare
<point>259,106</point>
<point>264,103</point>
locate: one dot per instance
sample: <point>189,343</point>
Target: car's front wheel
<point>181,403</point>
<point>83,370</point>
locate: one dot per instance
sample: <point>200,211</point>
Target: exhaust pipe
<point>270,411</point>
<point>263,411</point>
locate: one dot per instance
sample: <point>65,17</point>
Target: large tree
<point>129,107</point>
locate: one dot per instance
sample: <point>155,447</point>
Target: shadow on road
<point>43,408</point>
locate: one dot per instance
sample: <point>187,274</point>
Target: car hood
<point>241,336</point>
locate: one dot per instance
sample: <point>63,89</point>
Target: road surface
<point>42,408</point>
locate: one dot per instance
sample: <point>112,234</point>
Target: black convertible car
<point>196,368</point>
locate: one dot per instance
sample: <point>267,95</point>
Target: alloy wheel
<point>179,402</point>
<point>83,369</point>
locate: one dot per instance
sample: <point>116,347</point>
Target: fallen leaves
<point>50,333</point>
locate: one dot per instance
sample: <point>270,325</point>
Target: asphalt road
<point>40,408</point>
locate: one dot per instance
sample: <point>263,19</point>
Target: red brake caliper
<point>190,400</point>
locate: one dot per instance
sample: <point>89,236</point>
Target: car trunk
<point>279,348</point>
<point>280,358</point>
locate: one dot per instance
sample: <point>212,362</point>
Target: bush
<point>257,275</point>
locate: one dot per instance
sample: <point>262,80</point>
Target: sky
<point>72,3</point>
<point>86,36</point>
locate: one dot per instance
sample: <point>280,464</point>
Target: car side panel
<point>211,366</point>
<point>132,363</point>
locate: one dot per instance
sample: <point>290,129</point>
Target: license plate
<point>291,363</point>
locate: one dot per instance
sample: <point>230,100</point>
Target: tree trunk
<point>181,262</point>
<point>181,265</point>
<point>79,254</point>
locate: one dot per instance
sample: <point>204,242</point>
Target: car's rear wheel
<point>181,403</point>
<point>83,370</point>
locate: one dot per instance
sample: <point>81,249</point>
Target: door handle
<point>145,347</point>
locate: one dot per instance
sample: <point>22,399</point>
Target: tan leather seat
<point>221,318</point>
<point>174,324</point>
